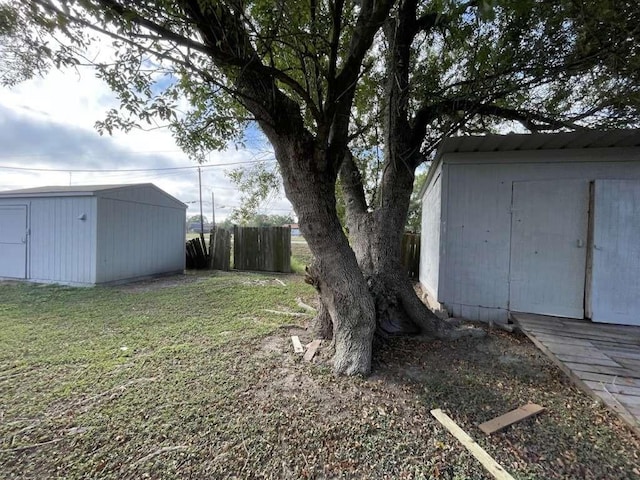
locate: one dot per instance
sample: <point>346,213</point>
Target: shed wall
<point>60,246</point>
<point>137,239</point>
<point>474,280</point>
<point>430,236</point>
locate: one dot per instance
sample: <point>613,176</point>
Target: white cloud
<point>48,123</point>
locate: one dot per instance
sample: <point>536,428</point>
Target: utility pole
<point>213,210</point>
<point>201,219</point>
<point>214,240</point>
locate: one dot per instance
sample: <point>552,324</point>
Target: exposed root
<point>303,305</point>
<point>288,314</point>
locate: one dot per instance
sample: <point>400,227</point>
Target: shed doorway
<point>549,224</point>
<point>13,241</point>
<point>615,279</point>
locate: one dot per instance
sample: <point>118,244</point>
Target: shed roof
<point>540,141</point>
<point>78,191</point>
<point>532,142</point>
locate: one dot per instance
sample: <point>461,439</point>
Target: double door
<point>575,249</point>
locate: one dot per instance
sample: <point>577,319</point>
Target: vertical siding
<point>61,245</point>
<point>430,237</point>
<point>138,239</point>
<point>616,256</point>
<point>477,215</point>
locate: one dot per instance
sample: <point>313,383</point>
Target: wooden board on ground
<point>297,346</point>
<point>514,416</point>
<point>311,350</point>
<point>493,467</point>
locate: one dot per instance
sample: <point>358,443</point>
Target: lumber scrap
<point>297,346</point>
<point>493,467</point>
<point>509,418</point>
<point>312,348</point>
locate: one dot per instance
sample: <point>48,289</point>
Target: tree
<point>331,81</point>
<point>196,219</point>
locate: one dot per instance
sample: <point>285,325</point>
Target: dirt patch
<point>473,380</point>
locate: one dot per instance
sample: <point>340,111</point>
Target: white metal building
<point>544,223</point>
<point>85,235</point>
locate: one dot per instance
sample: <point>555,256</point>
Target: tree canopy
<point>350,93</point>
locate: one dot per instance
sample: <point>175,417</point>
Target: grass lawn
<point>190,377</point>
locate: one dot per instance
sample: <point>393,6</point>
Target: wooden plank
<point>612,388</point>
<point>609,379</point>
<point>592,353</point>
<point>619,353</point>
<point>629,363</point>
<point>493,467</point>
<point>586,327</point>
<point>629,401</point>
<point>563,340</point>
<point>598,337</point>
<point>582,335</point>
<point>592,361</point>
<point>311,350</point>
<point>297,346</point>
<point>621,347</point>
<point>514,416</point>
<point>585,367</point>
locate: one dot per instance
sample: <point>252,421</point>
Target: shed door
<point>615,277</point>
<point>13,241</point>
<point>548,256</point>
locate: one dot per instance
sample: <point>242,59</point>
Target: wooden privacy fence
<point>266,249</point>
<point>196,252</point>
<point>219,255</point>
<point>220,249</point>
<point>410,255</point>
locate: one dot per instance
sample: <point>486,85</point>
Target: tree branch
<point>341,89</point>
<point>352,187</point>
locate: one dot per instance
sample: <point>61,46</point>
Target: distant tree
<point>196,219</point>
<point>226,224</point>
<point>270,220</point>
<point>362,90</point>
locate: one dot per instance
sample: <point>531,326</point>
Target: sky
<point>46,124</point>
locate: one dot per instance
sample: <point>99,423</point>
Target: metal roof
<point>533,142</point>
<point>540,141</point>
<point>78,191</point>
<point>62,189</point>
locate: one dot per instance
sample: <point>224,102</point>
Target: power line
<point>76,170</point>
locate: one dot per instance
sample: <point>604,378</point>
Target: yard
<point>192,377</point>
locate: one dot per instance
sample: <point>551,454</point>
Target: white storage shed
<point>542,223</point>
<point>86,235</point>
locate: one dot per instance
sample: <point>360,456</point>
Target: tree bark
<point>376,239</point>
<point>343,291</point>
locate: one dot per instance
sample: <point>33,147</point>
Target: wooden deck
<point>602,359</point>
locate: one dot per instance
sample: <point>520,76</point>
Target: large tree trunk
<point>343,291</point>
<point>376,240</point>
